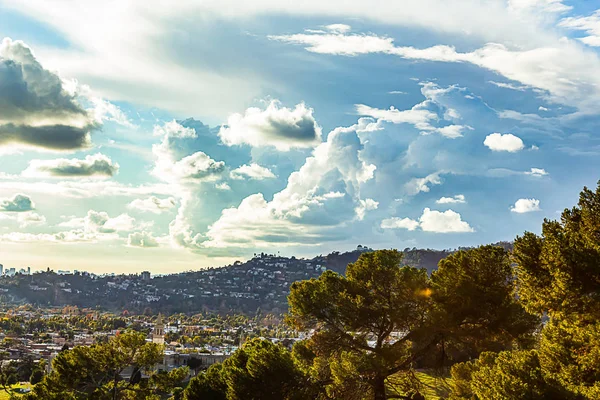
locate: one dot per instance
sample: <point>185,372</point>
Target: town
<point>261,283</point>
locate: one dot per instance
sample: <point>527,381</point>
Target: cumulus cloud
<point>536,172</point>
<point>17,203</point>
<point>153,204</point>
<point>104,110</point>
<point>526,205</point>
<point>171,167</point>
<point>364,206</point>
<point>321,195</point>
<point>101,222</point>
<point>95,226</point>
<point>418,185</point>
<point>504,142</point>
<point>459,198</point>
<point>97,165</point>
<point>141,239</point>
<point>198,167</point>
<point>252,171</point>
<point>281,127</point>
<point>399,223</point>
<point>30,218</point>
<point>35,109</point>
<point>434,221</point>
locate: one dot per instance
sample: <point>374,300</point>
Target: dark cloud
<point>35,108</point>
<point>92,165</point>
<point>18,203</point>
<point>52,137</point>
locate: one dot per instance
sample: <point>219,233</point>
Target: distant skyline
<point>169,136</point>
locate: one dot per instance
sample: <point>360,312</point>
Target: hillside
<point>244,287</point>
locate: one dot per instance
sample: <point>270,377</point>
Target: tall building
<point>158,333</point>
<point>145,275</point>
<point>1,269</point>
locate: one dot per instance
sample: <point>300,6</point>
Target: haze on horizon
<point>169,137</point>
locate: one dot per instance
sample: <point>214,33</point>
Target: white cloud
<point>420,115</point>
<point>153,204</point>
<point>590,25</point>
<point>97,165</point>
<point>452,131</point>
<point>338,28</point>
<point>191,169</point>
<point>30,218</point>
<point>18,203</point>
<point>397,223</point>
<point>141,239</point>
<point>252,171</point>
<point>364,206</point>
<point>430,221</point>
<point>321,195</point>
<point>459,198</point>
<point>526,205</point>
<point>510,86</point>
<point>73,236</point>
<point>86,188</point>
<point>537,6</point>
<point>536,172</point>
<point>104,110</point>
<point>198,167</point>
<point>561,70</point>
<point>417,116</point>
<point>222,186</point>
<point>443,222</point>
<point>418,185</point>
<point>504,142</point>
<point>100,222</point>
<point>281,127</point>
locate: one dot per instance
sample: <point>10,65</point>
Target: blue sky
<point>170,137</point>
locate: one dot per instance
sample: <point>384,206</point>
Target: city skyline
<point>171,137</point>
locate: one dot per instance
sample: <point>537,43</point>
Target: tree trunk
<point>379,388</point>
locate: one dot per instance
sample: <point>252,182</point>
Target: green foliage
<point>259,370</point>
<point>474,295</point>
<point>559,272</point>
<point>570,355</point>
<point>509,375</point>
<point>95,372</point>
<point>36,376</point>
<point>382,318</point>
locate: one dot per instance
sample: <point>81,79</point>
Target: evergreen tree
<point>382,319</point>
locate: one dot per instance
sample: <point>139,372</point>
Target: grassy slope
<point>5,396</point>
<point>432,386</point>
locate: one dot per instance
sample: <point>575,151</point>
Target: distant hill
<point>244,287</point>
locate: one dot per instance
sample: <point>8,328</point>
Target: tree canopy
<point>382,319</point>
<point>558,276</point>
<point>97,372</point>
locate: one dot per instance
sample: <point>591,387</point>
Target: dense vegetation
<point>520,325</point>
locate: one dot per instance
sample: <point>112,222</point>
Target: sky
<point>172,136</point>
